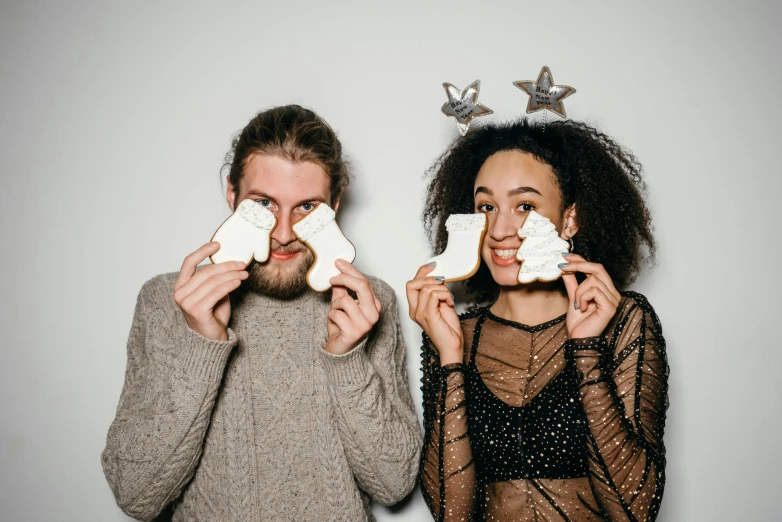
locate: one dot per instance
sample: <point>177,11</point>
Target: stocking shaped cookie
<point>462,256</point>
<point>320,232</point>
<point>245,235</point>
<point>541,250</point>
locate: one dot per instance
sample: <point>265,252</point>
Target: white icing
<point>255,214</point>
<point>314,222</point>
<point>541,250</point>
<point>461,257</point>
<point>245,235</point>
<point>465,222</point>
<point>320,232</point>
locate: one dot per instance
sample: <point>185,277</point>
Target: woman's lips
<point>282,256</point>
<point>505,260</point>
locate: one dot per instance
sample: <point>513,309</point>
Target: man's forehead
<point>280,178</point>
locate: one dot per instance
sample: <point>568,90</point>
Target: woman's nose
<point>504,226</point>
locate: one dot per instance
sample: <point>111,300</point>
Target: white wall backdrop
<point>114,120</point>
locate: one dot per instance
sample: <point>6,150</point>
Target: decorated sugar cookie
<point>245,235</point>
<point>320,232</point>
<point>462,256</point>
<point>541,250</point>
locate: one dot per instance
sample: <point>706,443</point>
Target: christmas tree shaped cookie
<point>541,250</point>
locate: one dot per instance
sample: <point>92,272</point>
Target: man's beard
<point>282,279</point>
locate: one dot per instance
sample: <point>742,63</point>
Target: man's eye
<point>264,202</point>
<point>307,207</point>
<point>486,207</point>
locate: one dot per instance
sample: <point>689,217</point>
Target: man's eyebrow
<point>317,199</point>
<point>523,190</point>
<point>484,190</point>
<point>261,195</point>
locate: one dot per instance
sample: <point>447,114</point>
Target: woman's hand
<point>593,303</point>
<point>431,306</point>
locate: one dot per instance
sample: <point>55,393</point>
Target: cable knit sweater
<point>266,425</point>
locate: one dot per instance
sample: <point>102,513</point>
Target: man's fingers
<point>363,290</point>
<point>338,292</point>
<point>194,300</point>
<point>354,312</point>
<point>193,260</point>
<point>217,294</point>
<point>203,274</point>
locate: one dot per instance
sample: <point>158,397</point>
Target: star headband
<point>544,95</point>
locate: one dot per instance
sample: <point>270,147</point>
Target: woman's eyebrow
<point>484,190</point>
<point>523,190</point>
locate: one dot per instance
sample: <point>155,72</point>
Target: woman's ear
<point>570,223</point>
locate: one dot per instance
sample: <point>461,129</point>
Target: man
<point>248,396</point>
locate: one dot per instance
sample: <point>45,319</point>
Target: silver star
<point>544,94</point>
<point>463,105</point>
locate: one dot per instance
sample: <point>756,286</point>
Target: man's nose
<point>283,232</point>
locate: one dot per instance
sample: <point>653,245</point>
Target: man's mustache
<point>291,248</point>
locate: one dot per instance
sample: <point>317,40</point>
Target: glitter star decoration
<point>545,94</point>
<point>463,105</point>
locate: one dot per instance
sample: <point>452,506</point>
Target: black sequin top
<point>536,427</point>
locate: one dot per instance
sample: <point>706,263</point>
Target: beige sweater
<point>266,425</point>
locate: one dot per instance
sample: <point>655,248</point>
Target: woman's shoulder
<point>636,304</point>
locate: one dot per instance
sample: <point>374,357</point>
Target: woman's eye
<point>485,207</point>
<point>526,207</point>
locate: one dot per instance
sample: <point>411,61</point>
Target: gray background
<point>114,120</point>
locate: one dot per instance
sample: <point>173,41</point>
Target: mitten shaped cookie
<point>245,235</point>
<point>462,256</point>
<point>320,232</point>
<point>541,250</point>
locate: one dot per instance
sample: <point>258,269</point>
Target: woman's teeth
<point>505,254</point>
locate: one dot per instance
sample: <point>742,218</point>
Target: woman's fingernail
<point>575,305</point>
<point>565,254</point>
<point>431,263</point>
<point>439,278</point>
<point>561,265</point>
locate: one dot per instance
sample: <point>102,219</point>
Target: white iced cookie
<point>541,250</point>
<point>320,232</point>
<point>245,235</point>
<point>462,256</point>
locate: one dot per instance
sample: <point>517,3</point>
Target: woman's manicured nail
<point>575,305</point>
<point>561,265</point>
<point>439,278</point>
<point>431,263</point>
<point>565,254</point>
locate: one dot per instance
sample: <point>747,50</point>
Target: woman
<point>546,401</point>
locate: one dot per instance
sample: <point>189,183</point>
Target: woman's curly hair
<point>593,172</point>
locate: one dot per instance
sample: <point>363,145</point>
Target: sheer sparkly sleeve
<point>623,380</point>
<point>447,470</point>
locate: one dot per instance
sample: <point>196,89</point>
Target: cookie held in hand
<point>541,250</point>
<point>462,256</point>
<point>245,235</point>
<point>320,232</point>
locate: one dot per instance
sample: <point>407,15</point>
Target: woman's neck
<point>531,304</point>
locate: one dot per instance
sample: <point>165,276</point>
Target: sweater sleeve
<point>376,419</point>
<point>623,388</point>
<point>171,381</point>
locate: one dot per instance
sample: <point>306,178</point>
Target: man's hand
<point>350,320</point>
<point>202,294</point>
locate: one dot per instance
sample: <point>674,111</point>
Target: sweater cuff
<point>203,358</point>
<point>348,370</point>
